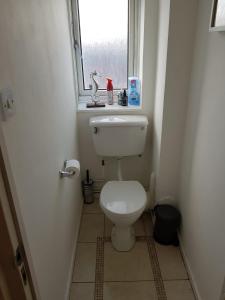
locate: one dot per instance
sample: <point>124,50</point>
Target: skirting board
<point>70,277</point>
<point>188,268</point>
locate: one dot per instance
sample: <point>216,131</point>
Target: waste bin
<point>167,221</point>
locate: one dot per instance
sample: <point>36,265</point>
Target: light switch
<point>7,103</point>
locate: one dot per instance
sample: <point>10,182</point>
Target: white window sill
<point>108,108</point>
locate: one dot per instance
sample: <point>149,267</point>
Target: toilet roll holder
<point>63,173</point>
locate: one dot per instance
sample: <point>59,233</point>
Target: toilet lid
<point>123,197</point>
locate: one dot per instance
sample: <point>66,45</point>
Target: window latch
<point>76,44</point>
<point>77,48</point>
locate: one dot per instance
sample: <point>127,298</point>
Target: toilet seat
<point>123,197</point>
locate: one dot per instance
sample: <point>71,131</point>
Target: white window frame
<point>133,46</point>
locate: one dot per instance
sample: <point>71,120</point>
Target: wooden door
<point>14,283</point>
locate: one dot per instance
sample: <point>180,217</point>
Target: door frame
<point>12,284</point>
<point>13,202</point>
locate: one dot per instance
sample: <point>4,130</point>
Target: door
<point>14,271</point>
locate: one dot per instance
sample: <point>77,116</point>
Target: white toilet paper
<point>73,165</point>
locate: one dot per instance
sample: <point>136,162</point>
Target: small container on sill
<point>122,98</point>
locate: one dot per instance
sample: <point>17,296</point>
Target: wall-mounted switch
<point>7,103</point>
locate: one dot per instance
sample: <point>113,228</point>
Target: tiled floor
<point>148,272</point>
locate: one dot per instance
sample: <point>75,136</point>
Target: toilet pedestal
<point>123,238</point>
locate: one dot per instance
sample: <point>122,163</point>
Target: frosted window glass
<point>104,40</point>
<point>220,15</point>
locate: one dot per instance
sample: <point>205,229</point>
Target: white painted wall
<point>36,62</point>
<point>175,43</point>
<point>202,193</point>
<point>162,45</point>
<point>133,167</point>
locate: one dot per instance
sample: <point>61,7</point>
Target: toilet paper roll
<point>73,165</point>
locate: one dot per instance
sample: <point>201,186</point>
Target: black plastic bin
<point>167,221</point>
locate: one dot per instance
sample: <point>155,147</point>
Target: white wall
<point>36,62</point>
<point>202,193</point>
<point>162,45</point>
<point>175,43</point>
<point>134,167</point>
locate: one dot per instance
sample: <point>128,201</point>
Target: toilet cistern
<point>123,202</point>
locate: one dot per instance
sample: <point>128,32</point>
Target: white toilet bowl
<point>123,202</point>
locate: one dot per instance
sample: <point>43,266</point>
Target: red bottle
<point>109,91</point>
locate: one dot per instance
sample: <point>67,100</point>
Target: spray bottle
<point>109,91</point>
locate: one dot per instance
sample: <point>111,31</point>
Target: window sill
<point>108,108</point>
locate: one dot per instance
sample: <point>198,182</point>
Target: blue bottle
<point>133,91</point>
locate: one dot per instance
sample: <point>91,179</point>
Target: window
<point>104,41</point>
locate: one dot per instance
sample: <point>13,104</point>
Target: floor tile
<point>179,290</point>
<point>82,291</point>
<point>138,227</point>
<point>92,208</point>
<point>148,224</point>
<point>171,262</point>
<point>85,261</point>
<point>92,225</point>
<point>108,227</point>
<point>130,290</point>
<point>127,266</point>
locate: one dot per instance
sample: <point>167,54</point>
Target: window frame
<point>133,46</point>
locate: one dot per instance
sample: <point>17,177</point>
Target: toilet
<point>122,201</point>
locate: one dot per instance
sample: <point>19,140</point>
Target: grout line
<point>143,219</point>
<point>80,242</point>
<point>187,271</point>
<point>92,213</point>
<point>107,239</point>
<point>83,281</point>
<point>104,229</point>
<point>78,237</point>
<point>99,271</point>
<point>74,257</point>
<point>99,274</point>
<point>160,289</point>
<point>125,281</point>
<point>143,222</point>
<point>86,242</point>
<point>183,261</point>
<point>81,221</point>
<point>180,279</point>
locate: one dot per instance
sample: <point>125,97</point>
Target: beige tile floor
<point>127,275</point>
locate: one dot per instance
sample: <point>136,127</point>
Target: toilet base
<point>123,238</point>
